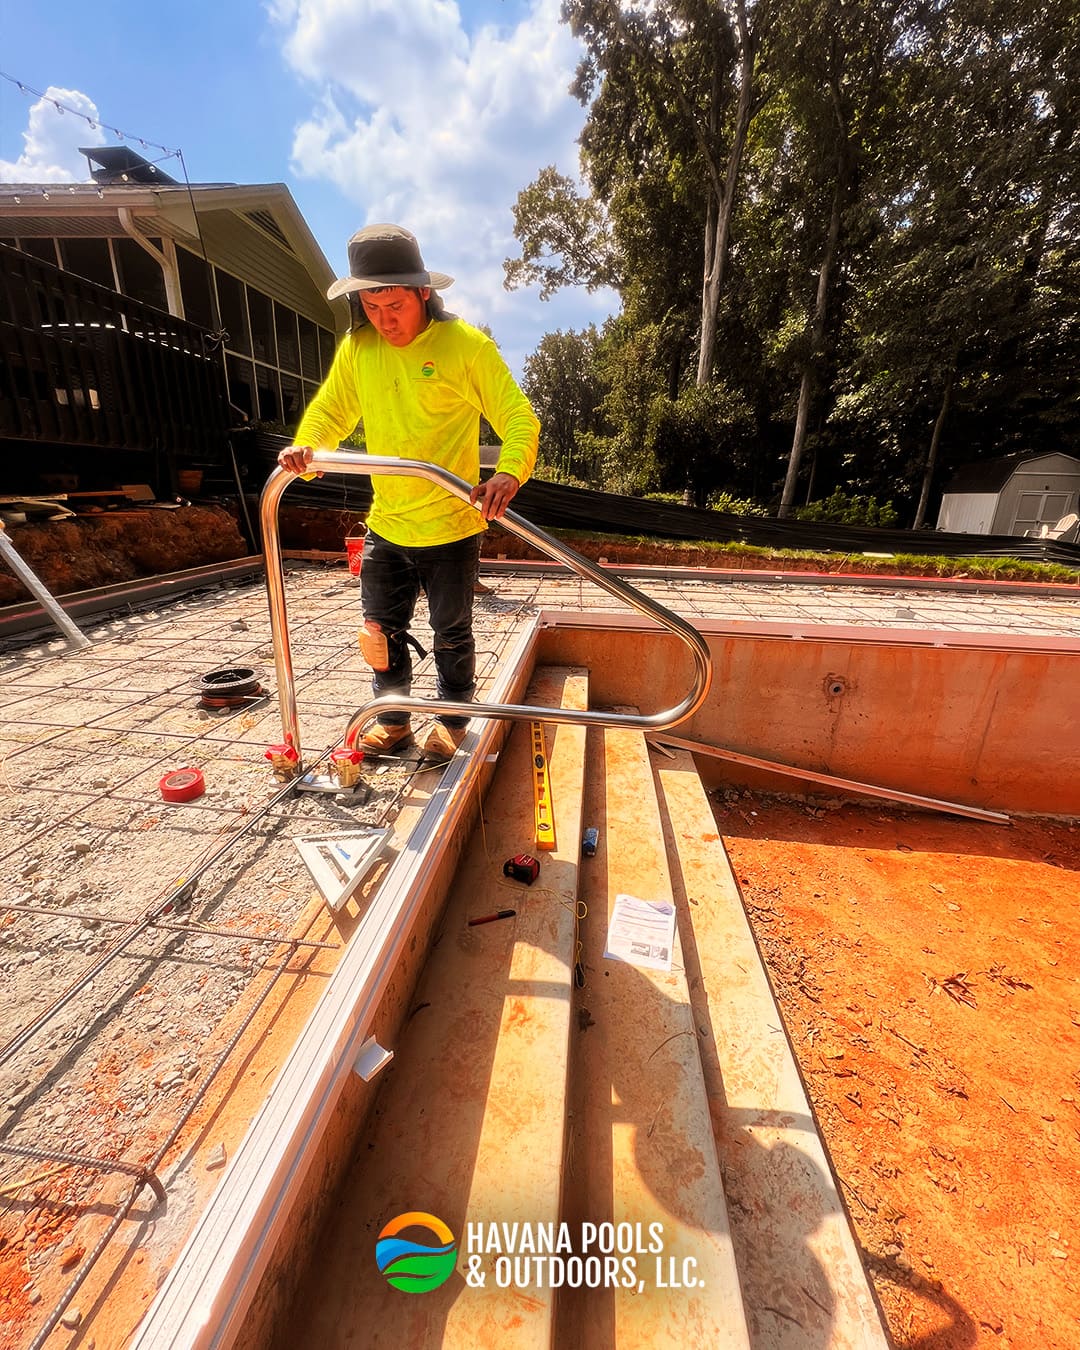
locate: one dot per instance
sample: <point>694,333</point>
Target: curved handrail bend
<point>342,461</point>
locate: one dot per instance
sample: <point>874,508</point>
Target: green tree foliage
<point>966,321</point>
<point>844,510</point>
<point>832,67</point>
<point>862,219</point>
<point>565,239</point>
<point>561,381</point>
<point>671,89</point>
<point>700,439</point>
<point>631,363</point>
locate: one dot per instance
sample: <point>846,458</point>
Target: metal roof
<point>991,475</point>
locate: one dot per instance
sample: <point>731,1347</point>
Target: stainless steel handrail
<point>343,461</point>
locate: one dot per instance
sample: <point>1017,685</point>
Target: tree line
<point>844,238</point>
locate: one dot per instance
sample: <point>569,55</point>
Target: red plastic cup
<point>354,548</point>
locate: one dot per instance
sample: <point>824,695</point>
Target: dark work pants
<point>391,579</point>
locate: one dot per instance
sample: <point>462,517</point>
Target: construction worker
<point>420,378</point>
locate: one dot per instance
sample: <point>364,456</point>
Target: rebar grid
<point>148,1176</point>
<point>156,748</point>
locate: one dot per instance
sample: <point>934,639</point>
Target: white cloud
<point>282,11</point>
<point>422,122</point>
<point>52,138</point>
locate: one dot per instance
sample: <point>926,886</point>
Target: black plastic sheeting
<point>555,507</point>
<point>559,507</point>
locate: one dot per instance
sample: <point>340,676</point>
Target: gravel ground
<point>121,985</point>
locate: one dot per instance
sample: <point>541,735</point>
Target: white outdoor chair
<point>1066,525</point>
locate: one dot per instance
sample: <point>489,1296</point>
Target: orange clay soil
<point>928,970</point>
<point>108,547</point>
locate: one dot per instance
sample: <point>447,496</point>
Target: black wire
<point>219,336</point>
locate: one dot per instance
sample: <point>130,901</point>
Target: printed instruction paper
<point>641,932</point>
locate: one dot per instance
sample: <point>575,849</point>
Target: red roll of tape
<point>182,785</point>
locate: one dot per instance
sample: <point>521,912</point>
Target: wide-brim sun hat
<point>385,255</point>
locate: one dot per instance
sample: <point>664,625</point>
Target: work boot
<point>386,740</point>
<point>441,742</point>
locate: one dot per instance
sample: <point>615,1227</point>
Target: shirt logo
<point>427,369</point>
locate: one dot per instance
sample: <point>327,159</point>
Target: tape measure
<point>543,809</point>
<point>182,785</point>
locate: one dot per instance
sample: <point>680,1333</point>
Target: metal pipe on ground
<point>37,588</point>
<point>831,781</point>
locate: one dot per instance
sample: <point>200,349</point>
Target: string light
<point>93,124</point>
<point>219,330</point>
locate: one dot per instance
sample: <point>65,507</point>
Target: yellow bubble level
<point>543,808</point>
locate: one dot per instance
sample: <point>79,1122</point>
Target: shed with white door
<point>1014,494</point>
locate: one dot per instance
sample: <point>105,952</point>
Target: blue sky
<point>430,113</point>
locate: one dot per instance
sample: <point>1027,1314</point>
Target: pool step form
<point>803,1283</point>
<point>469,1123</point>
<point>641,1148</point>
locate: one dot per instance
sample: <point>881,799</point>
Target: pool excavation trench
<point>519,1093</point>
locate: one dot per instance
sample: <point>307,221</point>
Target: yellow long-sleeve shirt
<point>424,402</point>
